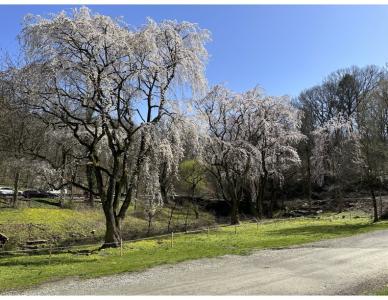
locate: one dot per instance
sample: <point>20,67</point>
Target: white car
<point>57,192</point>
<point>6,191</point>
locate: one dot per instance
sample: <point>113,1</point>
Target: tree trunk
<point>163,184</point>
<point>259,206</point>
<point>89,176</point>
<point>381,203</point>
<point>260,198</point>
<point>149,223</point>
<point>309,189</point>
<point>163,192</point>
<point>187,216</point>
<point>272,203</point>
<point>284,199</point>
<point>15,189</point>
<point>112,233</point>
<point>374,202</point>
<point>193,202</point>
<point>234,217</point>
<point>338,198</point>
<point>170,217</point>
<point>62,194</point>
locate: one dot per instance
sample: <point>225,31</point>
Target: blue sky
<point>284,49</point>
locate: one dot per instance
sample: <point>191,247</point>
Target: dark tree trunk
<point>15,189</point>
<point>187,216</point>
<point>163,184</point>
<point>193,202</point>
<point>149,223</point>
<point>284,199</point>
<point>170,217</point>
<point>381,203</point>
<point>196,212</point>
<point>259,207</point>
<point>163,192</point>
<point>272,203</point>
<point>260,198</point>
<point>338,198</point>
<point>113,232</point>
<point>62,195</point>
<point>374,202</point>
<point>89,176</point>
<point>234,217</point>
<point>309,182</point>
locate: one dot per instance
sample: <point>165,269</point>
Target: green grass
<point>84,226</point>
<point>24,271</point>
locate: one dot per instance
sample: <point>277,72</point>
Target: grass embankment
<point>22,272</point>
<point>43,220</point>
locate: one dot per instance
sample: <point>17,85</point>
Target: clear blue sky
<point>284,49</point>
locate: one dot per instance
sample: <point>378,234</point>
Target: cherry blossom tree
<point>276,135</point>
<point>336,154</point>
<point>226,155</point>
<point>251,138</point>
<point>342,93</point>
<point>111,87</point>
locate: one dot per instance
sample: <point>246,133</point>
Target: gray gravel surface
<point>347,266</point>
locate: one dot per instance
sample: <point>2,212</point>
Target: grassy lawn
<point>25,271</point>
<point>84,225</point>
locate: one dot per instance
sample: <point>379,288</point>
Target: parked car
<point>6,191</point>
<point>57,192</point>
<point>38,194</point>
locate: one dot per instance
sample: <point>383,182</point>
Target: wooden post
<point>257,224</point>
<point>121,247</point>
<point>235,229</point>
<point>50,251</point>
<point>172,239</point>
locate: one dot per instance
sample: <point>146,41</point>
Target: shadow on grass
<point>313,230</point>
<point>4,203</point>
<point>44,262</point>
<point>44,201</point>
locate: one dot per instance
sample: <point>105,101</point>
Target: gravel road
<point>345,266</point>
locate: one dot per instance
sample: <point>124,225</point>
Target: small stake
<point>50,250</point>
<point>257,224</point>
<point>172,239</point>
<point>121,247</point>
<point>235,229</point>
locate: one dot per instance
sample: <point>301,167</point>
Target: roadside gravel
<point>346,266</point>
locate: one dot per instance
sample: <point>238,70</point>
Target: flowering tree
<point>110,87</point>
<point>336,154</point>
<point>277,133</point>
<point>163,150</point>
<point>251,138</point>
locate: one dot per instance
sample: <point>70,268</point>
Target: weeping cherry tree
<point>111,87</point>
